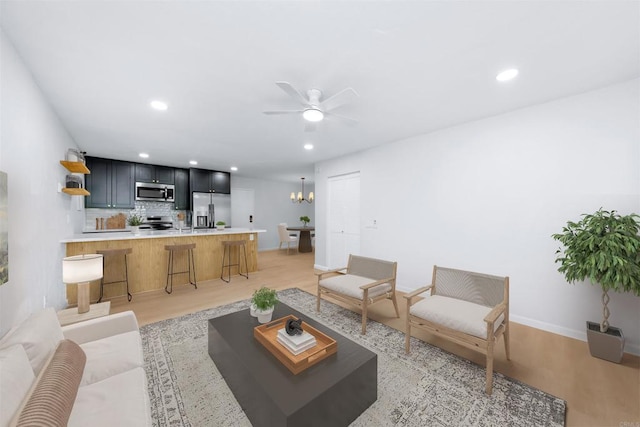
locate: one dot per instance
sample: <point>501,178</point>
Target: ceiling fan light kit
<point>313,115</point>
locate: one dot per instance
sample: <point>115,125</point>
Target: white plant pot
<point>220,227</point>
<point>135,229</point>
<point>264,316</point>
<point>252,310</point>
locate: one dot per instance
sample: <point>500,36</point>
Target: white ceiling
<point>418,67</point>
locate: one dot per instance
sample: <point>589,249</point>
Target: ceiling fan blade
<point>310,126</point>
<point>293,92</point>
<point>345,96</point>
<point>274,112</point>
<point>344,119</point>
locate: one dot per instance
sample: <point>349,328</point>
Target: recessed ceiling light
<point>193,162</point>
<point>313,115</point>
<point>233,168</point>
<point>159,105</point>
<point>507,75</point>
<point>308,146</point>
<point>144,155</point>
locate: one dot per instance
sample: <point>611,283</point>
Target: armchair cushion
<point>39,335</point>
<point>455,314</point>
<point>349,284</point>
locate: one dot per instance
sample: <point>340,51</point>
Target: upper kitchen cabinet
<point>154,174</point>
<point>206,181</point>
<point>111,184</point>
<point>181,195</point>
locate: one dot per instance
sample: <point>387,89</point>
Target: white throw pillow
<point>16,378</point>
<point>39,335</point>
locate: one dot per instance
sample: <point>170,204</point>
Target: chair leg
<point>364,311</point>
<point>489,385</point>
<point>318,300</point>
<point>395,304</point>
<point>407,329</point>
<point>506,342</point>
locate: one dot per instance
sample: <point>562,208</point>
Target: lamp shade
<point>82,268</point>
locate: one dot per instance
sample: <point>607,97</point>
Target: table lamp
<point>82,269</point>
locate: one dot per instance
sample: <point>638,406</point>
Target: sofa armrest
<point>101,327</point>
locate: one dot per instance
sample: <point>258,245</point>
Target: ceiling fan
<point>314,109</point>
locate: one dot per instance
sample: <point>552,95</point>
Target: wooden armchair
<point>363,282</point>
<point>470,309</point>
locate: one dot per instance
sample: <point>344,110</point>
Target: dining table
<point>304,242</point>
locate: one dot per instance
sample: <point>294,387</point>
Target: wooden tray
<point>325,346</point>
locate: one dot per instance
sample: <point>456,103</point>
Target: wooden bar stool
<point>190,263</point>
<point>226,249</point>
<point>111,253</point>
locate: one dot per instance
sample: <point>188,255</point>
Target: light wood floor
<point>598,393</point>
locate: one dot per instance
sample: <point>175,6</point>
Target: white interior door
<point>343,219</point>
<point>242,207</point>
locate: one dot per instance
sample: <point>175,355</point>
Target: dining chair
<point>285,237</point>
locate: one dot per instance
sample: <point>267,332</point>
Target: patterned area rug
<point>429,387</point>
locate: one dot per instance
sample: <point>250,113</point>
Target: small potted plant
<point>605,248</point>
<point>305,220</point>
<point>264,300</point>
<point>220,225</point>
<point>134,222</point>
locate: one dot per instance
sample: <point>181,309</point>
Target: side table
<point>71,315</point>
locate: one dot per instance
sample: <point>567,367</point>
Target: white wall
<point>487,195</point>
<point>273,206</point>
<point>32,142</point>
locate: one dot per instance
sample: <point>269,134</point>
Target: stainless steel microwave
<point>155,192</point>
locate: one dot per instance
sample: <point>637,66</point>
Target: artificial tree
<point>604,247</point>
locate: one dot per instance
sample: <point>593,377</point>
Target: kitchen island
<point>147,264</point>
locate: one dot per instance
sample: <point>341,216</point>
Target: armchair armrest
<point>334,271</point>
<point>101,327</point>
<point>417,292</point>
<point>376,283</point>
<point>495,313</point>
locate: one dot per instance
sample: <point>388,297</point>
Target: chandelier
<point>300,198</point>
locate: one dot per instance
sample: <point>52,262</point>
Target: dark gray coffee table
<point>333,392</point>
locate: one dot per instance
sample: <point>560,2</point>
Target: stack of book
<point>296,344</point>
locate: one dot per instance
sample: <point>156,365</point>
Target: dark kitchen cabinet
<point>181,198</point>
<point>206,181</point>
<point>110,184</point>
<point>154,174</point>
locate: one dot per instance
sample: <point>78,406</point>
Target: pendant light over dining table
<point>301,198</point>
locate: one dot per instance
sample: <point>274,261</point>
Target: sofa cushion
<point>121,400</point>
<point>455,314</point>
<point>349,284</point>
<point>16,378</point>
<point>110,356</point>
<point>39,335</point>
<point>52,396</point>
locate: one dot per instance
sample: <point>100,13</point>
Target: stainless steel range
<point>157,223</point>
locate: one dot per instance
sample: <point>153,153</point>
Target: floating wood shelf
<point>76,191</point>
<point>75,167</point>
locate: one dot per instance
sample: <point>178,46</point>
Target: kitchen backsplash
<point>142,208</point>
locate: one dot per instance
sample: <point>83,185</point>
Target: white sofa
<point>102,377</point>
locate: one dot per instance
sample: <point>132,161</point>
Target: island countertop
<point>155,234</point>
<point>148,260</point>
